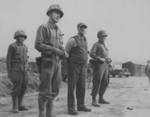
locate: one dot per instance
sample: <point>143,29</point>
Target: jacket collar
<point>81,37</point>
<point>52,25</point>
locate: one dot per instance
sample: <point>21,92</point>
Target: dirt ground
<point>129,97</point>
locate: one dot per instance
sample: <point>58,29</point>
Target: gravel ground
<point>128,97</point>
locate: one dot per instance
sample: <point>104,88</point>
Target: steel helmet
<point>101,33</point>
<point>55,7</point>
<point>19,33</point>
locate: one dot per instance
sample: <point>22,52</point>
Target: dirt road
<point>129,97</point>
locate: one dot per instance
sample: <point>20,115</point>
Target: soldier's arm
<point>93,52</point>
<point>39,42</point>
<point>94,55</point>
<point>70,44</point>
<point>9,60</point>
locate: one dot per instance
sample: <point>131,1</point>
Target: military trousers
<point>77,74</point>
<point>20,81</point>
<point>50,78</point>
<point>100,79</point>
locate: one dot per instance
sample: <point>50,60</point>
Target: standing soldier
<point>17,70</point>
<point>77,69</point>
<point>49,43</point>
<point>99,53</point>
<point>147,70</point>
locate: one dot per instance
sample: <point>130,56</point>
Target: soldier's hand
<point>101,59</point>
<point>108,60</point>
<point>58,52</point>
<point>65,54</point>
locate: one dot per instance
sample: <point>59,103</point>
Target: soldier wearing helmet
<point>17,65</point>
<point>49,43</point>
<point>99,53</point>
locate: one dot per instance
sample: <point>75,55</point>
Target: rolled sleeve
<point>39,43</point>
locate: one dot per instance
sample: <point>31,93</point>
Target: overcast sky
<point>127,23</point>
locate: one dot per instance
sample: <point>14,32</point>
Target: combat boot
<point>21,107</point>
<point>49,108</point>
<point>42,107</point>
<point>94,102</point>
<point>15,104</point>
<point>102,101</point>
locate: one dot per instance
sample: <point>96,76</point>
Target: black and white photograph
<point>74,58</point>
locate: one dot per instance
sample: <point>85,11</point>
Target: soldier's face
<point>102,38</point>
<point>55,16</point>
<point>81,30</point>
<point>20,39</point>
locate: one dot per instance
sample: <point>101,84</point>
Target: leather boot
<point>84,108</point>
<point>15,104</point>
<point>42,107</point>
<point>94,102</point>
<point>21,107</point>
<point>49,108</point>
<point>102,101</point>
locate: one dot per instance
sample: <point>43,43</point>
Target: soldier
<point>99,53</point>
<point>17,70</point>
<point>49,43</point>
<point>77,69</point>
<point>147,70</point>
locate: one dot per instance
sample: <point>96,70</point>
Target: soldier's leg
<point>24,84</point>
<point>80,90</point>
<point>49,106</point>
<point>98,72</point>
<point>72,79</point>
<point>17,81</point>
<point>80,87</point>
<point>42,103</point>
<point>56,81</point>
<point>45,87</point>
<point>104,85</point>
<point>97,77</point>
<point>96,83</point>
